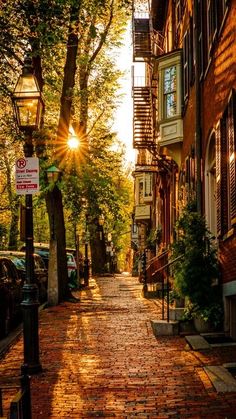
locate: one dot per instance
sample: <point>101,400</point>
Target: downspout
<point>198,124</point>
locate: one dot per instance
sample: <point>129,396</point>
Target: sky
<point>124,115</point>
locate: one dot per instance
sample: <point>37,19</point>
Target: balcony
<point>142,212</point>
<point>147,42</point>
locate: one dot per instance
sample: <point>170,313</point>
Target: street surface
<point>100,358</point>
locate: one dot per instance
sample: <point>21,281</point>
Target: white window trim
<point>164,62</point>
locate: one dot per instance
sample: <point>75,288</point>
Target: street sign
<point>27,175</point>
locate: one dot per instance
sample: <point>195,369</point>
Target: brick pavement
<point>101,359</point>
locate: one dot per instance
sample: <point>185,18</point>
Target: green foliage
<point>212,313</point>
<point>99,178</point>
<point>153,238</point>
<point>194,273</point>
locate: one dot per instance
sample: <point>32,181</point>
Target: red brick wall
<point>227,259</point>
<point>218,83</point>
<point>221,76</point>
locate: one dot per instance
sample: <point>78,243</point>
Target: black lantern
<point>27,101</point>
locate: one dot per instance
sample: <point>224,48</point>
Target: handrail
<point>162,268</point>
<point>155,258</point>
<point>168,264</point>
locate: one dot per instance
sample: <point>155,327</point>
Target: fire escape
<point>142,92</point>
<point>147,44</point>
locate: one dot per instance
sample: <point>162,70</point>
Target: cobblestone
<point>101,359</point>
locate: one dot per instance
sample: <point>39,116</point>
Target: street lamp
<point>28,107</point>
<point>53,174</point>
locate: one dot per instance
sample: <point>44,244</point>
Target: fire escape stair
<point>143,120</point>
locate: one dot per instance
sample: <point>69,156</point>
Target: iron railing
<point>20,406</point>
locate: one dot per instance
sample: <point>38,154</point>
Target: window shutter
<point>231,133</point>
<point>218,179</point>
<point>224,176</point>
<point>221,178</point>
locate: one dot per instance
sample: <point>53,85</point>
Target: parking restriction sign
<point>27,175</point>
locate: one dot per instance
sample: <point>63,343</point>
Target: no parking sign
<point>27,175</point>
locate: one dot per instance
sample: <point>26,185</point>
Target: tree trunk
<point>54,198</point>
<point>57,230</point>
<point>98,250</point>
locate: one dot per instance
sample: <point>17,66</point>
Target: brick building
<point>184,81</point>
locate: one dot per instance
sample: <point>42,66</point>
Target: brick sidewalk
<point>101,359</point>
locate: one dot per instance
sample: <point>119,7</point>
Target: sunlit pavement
<point>101,359</point>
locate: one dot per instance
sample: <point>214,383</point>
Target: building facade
<point>184,82</point>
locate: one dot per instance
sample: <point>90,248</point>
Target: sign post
<point>27,175</point>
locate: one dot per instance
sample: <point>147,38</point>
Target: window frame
<point>211,25</point>
<point>226,168</point>
<point>170,93</point>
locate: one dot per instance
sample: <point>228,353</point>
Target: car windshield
<point>19,263</point>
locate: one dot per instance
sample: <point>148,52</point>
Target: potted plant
<point>208,318</point>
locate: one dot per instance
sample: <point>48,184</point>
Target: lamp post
<point>28,107</point>
<point>101,221</point>
<point>86,259</point>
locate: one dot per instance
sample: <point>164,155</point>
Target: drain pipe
<point>198,122</point>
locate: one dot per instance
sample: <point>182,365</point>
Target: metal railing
<point>163,273</point>
<point>167,288</point>
<point>20,406</point>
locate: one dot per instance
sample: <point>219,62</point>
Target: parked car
<point>71,264</point>
<point>42,249</point>
<point>40,271</point>
<point>10,295</point>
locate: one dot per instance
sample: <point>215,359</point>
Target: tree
<point>83,92</point>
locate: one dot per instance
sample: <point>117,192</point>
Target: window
<point>179,9</point>
<point>147,186</point>
<point>226,168</point>
<point>140,192</point>
<point>170,100</point>
<point>144,188</point>
<point>222,8</point>
<point>231,145</point>
<point>170,86</point>
<point>211,24</point>
<point>200,26</point>
<point>186,65</point>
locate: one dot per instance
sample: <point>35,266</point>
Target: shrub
<point>195,272</point>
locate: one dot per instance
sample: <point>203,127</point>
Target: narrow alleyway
<point>101,359</point>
